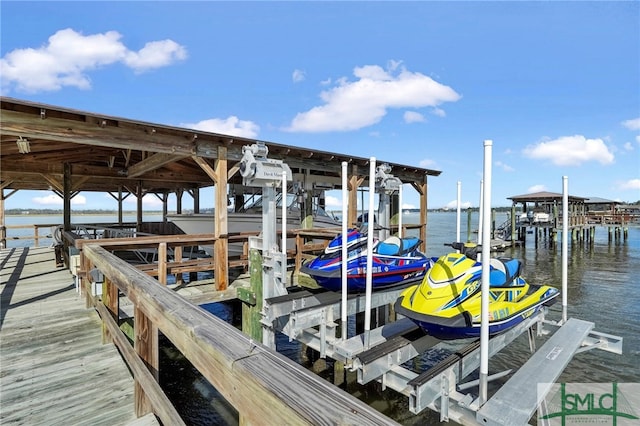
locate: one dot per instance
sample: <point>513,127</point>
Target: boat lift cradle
<point>379,354</point>
<point>312,320</point>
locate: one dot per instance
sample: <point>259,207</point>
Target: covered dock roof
<point>105,153</point>
<point>544,197</point>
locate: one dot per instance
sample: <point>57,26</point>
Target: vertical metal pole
<point>565,243</point>
<point>481,213</point>
<point>384,210</point>
<point>284,228</point>
<point>345,198</point>
<point>269,229</point>
<point>369,276</point>
<point>400,211</point>
<point>484,312</point>
<point>458,213</point>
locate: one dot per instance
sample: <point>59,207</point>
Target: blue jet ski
<point>395,261</point>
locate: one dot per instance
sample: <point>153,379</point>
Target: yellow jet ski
<point>446,304</point>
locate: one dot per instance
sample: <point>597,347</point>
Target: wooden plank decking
<point>53,367</point>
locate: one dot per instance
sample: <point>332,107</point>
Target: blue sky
<point>555,85</point>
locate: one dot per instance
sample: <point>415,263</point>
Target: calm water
<point>603,287</point>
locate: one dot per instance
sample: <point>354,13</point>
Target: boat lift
<point>259,171</point>
<point>380,354</point>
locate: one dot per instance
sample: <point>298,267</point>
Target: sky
<point>554,85</point>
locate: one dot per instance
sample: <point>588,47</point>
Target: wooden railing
<point>36,236</point>
<point>604,218</point>
<point>90,231</point>
<point>263,385</point>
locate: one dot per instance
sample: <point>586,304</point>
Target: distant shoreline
<point>104,213</point>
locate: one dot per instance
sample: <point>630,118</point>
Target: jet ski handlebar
<point>468,249</point>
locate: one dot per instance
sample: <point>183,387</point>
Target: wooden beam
<point>55,183</point>
<point>94,171</point>
<point>206,167</point>
<point>66,197</point>
<point>162,263</point>
<point>162,406</point>
<point>354,183</point>
<point>79,181</point>
<point>422,190</point>
<point>60,130</point>
<point>233,170</point>
<point>153,162</point>
<point>221,246</point>
<point>146,346</point>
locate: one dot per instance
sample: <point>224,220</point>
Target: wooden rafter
<point>152,162</point>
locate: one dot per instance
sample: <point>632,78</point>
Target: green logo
<point>586,403</point>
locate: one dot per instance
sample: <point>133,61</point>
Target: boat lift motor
<point>259,171</point>
<point>386,185</point>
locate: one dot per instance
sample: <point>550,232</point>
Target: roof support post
<point>120,210</point>
<point>165,206</point>
<point>66,196</point>
<point>139,195</point>
<point>3,229</point>
<point>221,246</point>
<point>354,182</point>
<point>195,193</point>
<point>179,193</point>
<point>421,188</point>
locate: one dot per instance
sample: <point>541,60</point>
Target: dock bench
<point>516,401</point>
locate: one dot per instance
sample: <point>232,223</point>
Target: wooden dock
<point>54,367</point>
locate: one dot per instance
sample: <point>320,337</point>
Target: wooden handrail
<point>162,406</point>
<point>260,383</point>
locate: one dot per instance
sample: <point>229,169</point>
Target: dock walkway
<point>54,368</point>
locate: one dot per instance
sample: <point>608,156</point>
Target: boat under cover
<point>249,220</point>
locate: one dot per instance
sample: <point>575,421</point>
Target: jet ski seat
<point>389,247</point>
<point>504,271</point>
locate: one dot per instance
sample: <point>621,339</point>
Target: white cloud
<point>570,151</point>
<point>155,54</point>
<point>630,184</point>
<point>56,200</point>
<point>454,204</point>
<point>503,166</point>
<point>633,124</point>
<point>148,200</point>
<point>298,76</point>
<point>331,201</point>
<point>536,188</point>
<point>413,117</point>
<point>427,163</point>
<point>628,146</point>
<point>68,56</point>
<point>438,112</point>
<point>408,206</point>
<point>79,200</point>
<point>352,105</point>
<point>229,126</point>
